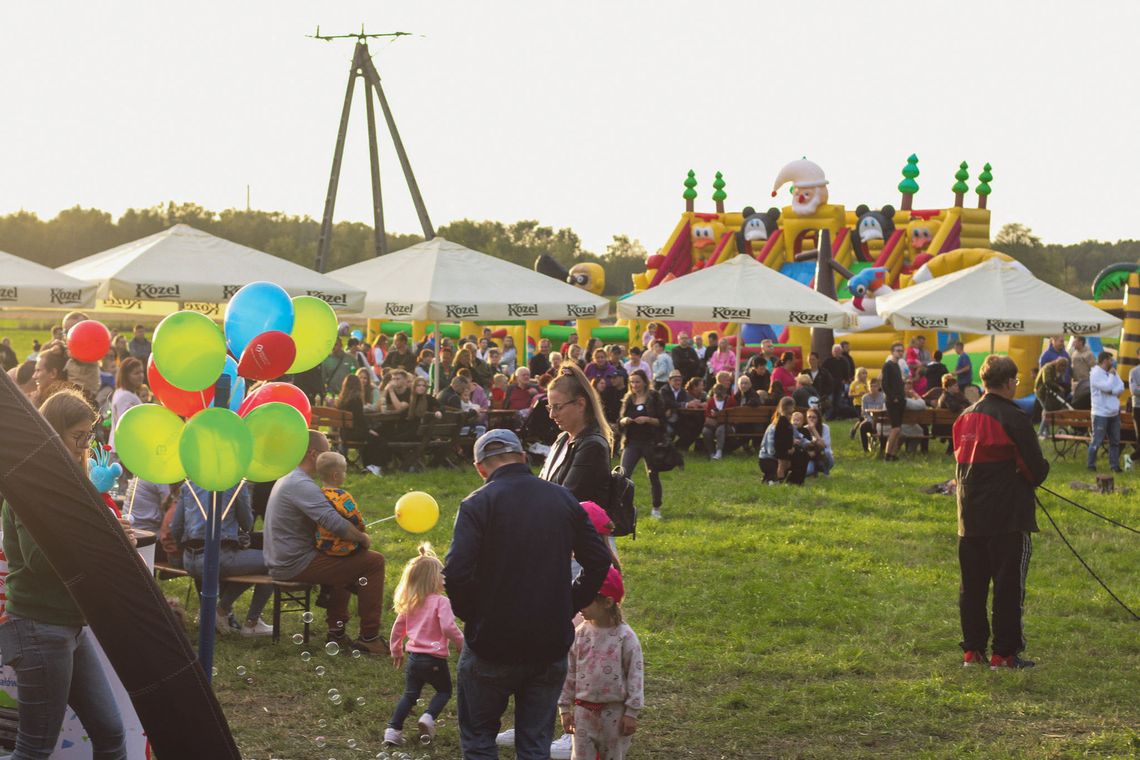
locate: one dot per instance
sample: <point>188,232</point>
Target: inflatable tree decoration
<point>690,193</point>
<point>983,189</point>
<point>718,192</point>
<point>960,187</point>
<point>908,187</point>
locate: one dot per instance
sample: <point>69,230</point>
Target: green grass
<point>810,622</point>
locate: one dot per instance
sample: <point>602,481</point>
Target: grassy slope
<point>782,622</point>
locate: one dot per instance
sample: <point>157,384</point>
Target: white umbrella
<point>995,297</point>
<point>182,264</point>
<point>740,290</point>
<point>26,284</point>
<point>438,279</point>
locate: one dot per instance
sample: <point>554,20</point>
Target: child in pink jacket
<point>426,619</point>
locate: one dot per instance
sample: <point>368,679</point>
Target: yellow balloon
<point>417,512</point>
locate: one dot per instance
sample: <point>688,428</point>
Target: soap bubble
<point>298,639</point>
<point>320,741</point>
<point>319,670</point>
<point>322,723</point>
<point>335,700</point>
<point>307,617</point>
<point>249,680</point>
<point>351,743</point>
<point>241,670</point>
<point>360,701</point>
<point>356,653</point>
<point>362,581</point>
<point>214,672</point>
<point>333,692</point>
<point>332,649</point>
<point>425,740</point>
<point>305,656</point>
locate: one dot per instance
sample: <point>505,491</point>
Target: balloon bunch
<point>260,436</point>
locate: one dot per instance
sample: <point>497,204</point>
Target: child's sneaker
<point>257,628</point>
<point>394,737</point>
<point>427,728</point>
<point>998,662</point>
<point>973,657</point>
<point>506,739</point>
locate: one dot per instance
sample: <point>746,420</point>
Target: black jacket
<point>508,569</point>
<point>893,387</point>
<point>837,367</point>
<point>686,360</point>
<point>999,465</point>
<point>582,465</point>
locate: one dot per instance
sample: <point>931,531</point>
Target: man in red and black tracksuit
<point>999,465</point>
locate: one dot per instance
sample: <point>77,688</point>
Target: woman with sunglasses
<point>45,638</point>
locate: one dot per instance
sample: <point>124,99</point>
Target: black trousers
<point>1004,561</point>
<point>795,475</point>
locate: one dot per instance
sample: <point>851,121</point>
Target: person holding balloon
<point>296,507</point>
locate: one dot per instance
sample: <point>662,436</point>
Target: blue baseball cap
<point>495,442</point>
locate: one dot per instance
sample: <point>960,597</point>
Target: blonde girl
<point>426,620</point>
<point>859,386</point>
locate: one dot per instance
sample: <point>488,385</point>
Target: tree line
<point>78,232</point>
<point>1071,268</point>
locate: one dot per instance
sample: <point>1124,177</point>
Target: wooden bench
<point>287,595</point>
<point>1070,430</point>
<point>337,426</point>
<point>935,423</point>
<point>437,438</point>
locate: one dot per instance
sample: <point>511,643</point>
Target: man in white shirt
<point>1105,387</point>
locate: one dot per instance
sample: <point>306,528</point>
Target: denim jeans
<point>485,687</point>
<point>420,669</point>
<point>234,562</point>
<point>57,666</point>
<point>1101,427</point>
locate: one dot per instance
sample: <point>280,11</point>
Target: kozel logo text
<point>332,299</point>
<point>522,309</point>
<point>156,291</point>
<point>806,318</point>
<point>229,290</point>
<point>61,296</point>
<point>398,309</point>
<point>455,311</point>
<point>1077,328</point>
<point>928,322</point>
<point>723,312</point>
<point>581,311</point>
<point>1005,325</point>
<point>654,311</point>
<point>9,294</point>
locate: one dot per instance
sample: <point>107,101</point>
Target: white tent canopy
<point>740,290</point>
<point>993,298</point>
<point>182,264</point>
<point>441,280</point>
<point>26,284</point>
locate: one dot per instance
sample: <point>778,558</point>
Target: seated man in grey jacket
<point>296,507</point>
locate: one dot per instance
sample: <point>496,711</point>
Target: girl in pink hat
<point>605,684</point>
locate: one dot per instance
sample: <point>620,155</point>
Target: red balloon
<point>88,341</point>
<point>267,356</point>
<point>183,403</point>
<point>286,393</point>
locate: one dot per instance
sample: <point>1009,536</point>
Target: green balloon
<point>189,350</point>
<point>147,440</point>
<point>280,440</point>
<point>314,332</point>
<point>216,449</point>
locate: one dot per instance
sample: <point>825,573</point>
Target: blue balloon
<point>258,307</point>
<point>237,385</point>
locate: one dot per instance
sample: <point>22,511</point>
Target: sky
<point>578,114</point>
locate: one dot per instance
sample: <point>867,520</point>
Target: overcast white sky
<point>580,114</point>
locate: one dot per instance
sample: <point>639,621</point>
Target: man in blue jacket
<point>508,577</point>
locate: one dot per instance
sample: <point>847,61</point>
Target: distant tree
<point>960,187</point>
<point>1015,234</point>
<point>718,192</point>
<point>983,188</point>
<point>690,193</point>
<point>908,187</point>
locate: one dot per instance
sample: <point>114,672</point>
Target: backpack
<point>619,506</point>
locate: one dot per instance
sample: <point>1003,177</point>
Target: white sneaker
<point>374,469</point>
<point>427,728</point>
<point>717,455</point>
<point>656,515</point>
<point>506,739</point>
<point>560,748</point>
<point>393,737</point>
<point>258,628</point>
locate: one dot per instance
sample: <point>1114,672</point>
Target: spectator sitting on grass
<point>818,432</point>
<point>781,460</point>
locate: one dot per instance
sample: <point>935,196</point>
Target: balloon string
<point>197,500</point>
<point>134,488</point>
<point>382,519</point>
<point>233,498</point>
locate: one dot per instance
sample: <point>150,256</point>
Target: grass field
<point>812,622</point>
